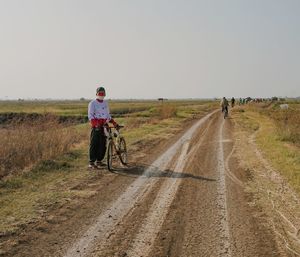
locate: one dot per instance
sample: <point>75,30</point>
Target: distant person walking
<point>98,114</point>
<point>232,102</point>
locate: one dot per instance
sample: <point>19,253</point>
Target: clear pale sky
<point>149,48</point>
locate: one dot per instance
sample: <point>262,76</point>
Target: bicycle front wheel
<point>110,155</point>
<point>123,151</point>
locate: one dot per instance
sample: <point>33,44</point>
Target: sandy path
<point>199,209</point>
<point>136,192</point>
<point>210,215</point>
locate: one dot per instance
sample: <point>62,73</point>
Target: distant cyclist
<point>224,104</point>
<point>232,102</point>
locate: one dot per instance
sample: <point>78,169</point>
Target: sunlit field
<point>36,131</point>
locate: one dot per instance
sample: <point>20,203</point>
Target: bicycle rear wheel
<point>225,114</point>
<point>122,151</point>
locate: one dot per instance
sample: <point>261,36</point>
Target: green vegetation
<point>26,196</point>
<point>54,107</point>
<point>74,108</point>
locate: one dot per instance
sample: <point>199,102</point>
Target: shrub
<point>25,144</point>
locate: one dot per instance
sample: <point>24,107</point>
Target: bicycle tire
<point>110,155</point>
<point>225,114</point>
<point>122,151</point>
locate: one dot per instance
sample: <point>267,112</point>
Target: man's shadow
<point>149,171</point>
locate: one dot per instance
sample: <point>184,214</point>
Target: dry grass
<point>287,124</point>
<point>135,122</point>
<point>25,144</point>
<point>274,128</point>
<point>166,111</point>
<point>153,115</point>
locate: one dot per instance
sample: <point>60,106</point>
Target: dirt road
<point>188,201</point>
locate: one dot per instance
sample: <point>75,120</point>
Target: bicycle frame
<point>116,146</point>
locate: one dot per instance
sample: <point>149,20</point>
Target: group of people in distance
<point>225,104</point>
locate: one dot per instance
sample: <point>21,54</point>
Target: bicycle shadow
<point>149,171</point>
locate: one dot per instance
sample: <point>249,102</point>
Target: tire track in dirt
<point>118,245</point>
<point>143,241</point>
<point>137,191</point>
<point>210,215</point>
<point>222,199</point>
<point>250,234</point>
<point>192,226</point>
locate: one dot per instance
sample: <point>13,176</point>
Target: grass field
<point>69,107</point>
<point>277,135</point>
<point>35,138</point>
<point>56,157</point>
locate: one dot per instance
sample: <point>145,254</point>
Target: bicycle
<point>116,147</point>
<point>225,112</point>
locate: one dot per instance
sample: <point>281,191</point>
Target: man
<point>224,104</point>
<point>98,114</point>
<point>232,102</point>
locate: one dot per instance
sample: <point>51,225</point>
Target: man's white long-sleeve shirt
<point>98,110</point>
